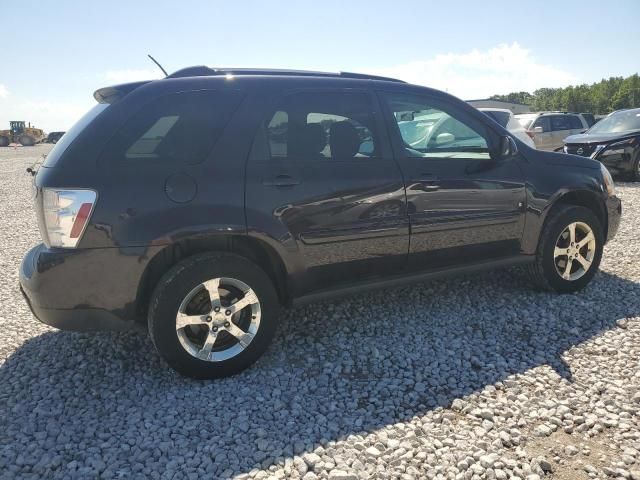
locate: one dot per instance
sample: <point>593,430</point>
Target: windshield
<point>619,122</point>
<point>526,120</point>
<point>70,136</point>
<point>501,117</point>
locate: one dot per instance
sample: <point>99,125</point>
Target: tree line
<point>600,98</point>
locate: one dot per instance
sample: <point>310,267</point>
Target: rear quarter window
<point>66,140</point>
<point>177,128</point>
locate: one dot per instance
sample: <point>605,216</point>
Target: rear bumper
<point>83,290</point>
<point>78,319</point>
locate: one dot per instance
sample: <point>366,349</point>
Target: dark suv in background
<point>198,204</point>
<point>615,141</point>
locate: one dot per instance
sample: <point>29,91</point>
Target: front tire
<point>213,315</point>
<point>569,250</point>
<point>635,174</point>
<point>4,141</point>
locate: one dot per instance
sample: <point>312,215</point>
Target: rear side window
<point>177,128</point>
<point>319,126</point>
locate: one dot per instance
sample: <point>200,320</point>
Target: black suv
<point>614,140</point>
<point>198,204</point>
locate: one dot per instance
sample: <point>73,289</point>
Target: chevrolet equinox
<point>199,204</point>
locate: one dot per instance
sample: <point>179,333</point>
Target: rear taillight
<point>531,133</point>
<point>66,215</point>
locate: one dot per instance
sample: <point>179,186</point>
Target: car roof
<point>204,71</point>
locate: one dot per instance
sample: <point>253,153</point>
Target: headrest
<point>344,140</point>
<point>314,138</point>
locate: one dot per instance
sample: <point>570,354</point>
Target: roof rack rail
<point>204,71</point>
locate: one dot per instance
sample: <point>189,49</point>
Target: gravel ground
<point>467,378</point>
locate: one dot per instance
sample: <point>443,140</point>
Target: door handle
<point>282,180</point>
<point>430,182</point>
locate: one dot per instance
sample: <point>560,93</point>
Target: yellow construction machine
<point>19,133</point>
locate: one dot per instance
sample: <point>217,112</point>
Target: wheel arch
<point>252,248</point>
<point>581,198</point>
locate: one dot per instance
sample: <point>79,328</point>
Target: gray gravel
<point>470,378</point>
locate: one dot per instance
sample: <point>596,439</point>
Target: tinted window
<point>589,118</point>
<point>428,131</point>
<point>501,117</point>
<point>560,122</point>
<point>336,126</point>
<point>70,136</point>
<point>575,122</point>
<point>180,127</point>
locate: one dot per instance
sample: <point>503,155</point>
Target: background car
<point>507,119</point>
<point>53,137</point>
<point>615,141</point>
<point>549,129</point>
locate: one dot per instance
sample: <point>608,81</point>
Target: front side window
<point>177,128</point>
<point>321,126</point>
<point>542,122</point>
<point>429,131</point>
<point>575,122</point>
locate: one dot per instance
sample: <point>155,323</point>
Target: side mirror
<point>538,130</point>
<point>445,138</point>
<point>405,116</point>
<point>508,147</point>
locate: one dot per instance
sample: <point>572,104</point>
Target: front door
<point>463,205</point>
<point>322,174</point>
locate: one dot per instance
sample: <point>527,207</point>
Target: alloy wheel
<point>574,251</point>
<point>218,319</point>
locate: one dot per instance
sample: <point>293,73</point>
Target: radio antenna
<point>159,66</point>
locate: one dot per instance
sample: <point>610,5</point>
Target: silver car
<point>549,129</point>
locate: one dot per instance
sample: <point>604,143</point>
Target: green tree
<point>600,98</point>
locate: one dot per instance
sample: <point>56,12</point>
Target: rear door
<point>322,176</point>
<point>463,205</point>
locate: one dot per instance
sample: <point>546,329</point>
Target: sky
<point>473,49</point>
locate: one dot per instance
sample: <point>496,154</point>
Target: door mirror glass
<point>508,147</point>
<point>538,130</point>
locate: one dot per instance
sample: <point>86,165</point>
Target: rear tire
<point>26,141</point>
<point>4,141</point>
<point>199,336</point>
<point>556,249</point>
